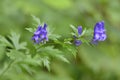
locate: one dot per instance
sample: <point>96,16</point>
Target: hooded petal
<point>77,42</point>
<point>99,27</point>
<point>45,26</point>
<point>79,30</point>
<point>40,35</point>
<point>37,32</point>
<point>99,32</point>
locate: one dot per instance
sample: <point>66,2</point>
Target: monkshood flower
<point>40,35</point>
<point>99,32</point>
<point>76,41</point>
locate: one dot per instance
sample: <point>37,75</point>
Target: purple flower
<point>78,42</point>
<point>79,30</point>
<point>99,32</point>
<point>40,35</point>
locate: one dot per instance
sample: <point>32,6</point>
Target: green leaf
<point>73,28</point>
<point>46,62</point>
<point>36,60</point>
<point>37,20</point>
<point>15,40</point>
<point>54,36</point>
<point>62,58</point>
<point>14,54</point>
<point>89,32</point>
<point>30,30</point>
<point>73,34</point>
<point>51,35</point>
<point>68,41</point>
<point>56,53</point>
<point>27,68</point>
<point>72,50</point>
<point>49,49</point>
<point>4,41</point>
<point>84,31</point>
<point>67,45</point>
<point>23,45</point>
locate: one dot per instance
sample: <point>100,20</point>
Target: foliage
<point>59,58</point>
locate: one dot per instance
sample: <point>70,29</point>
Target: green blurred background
<point>101,62</point>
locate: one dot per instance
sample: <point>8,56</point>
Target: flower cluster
<point>99,32</point>
<point>78,42</point>
<point>40,35</point>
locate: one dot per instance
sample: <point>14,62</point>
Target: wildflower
<point>76,41</point>
<point>40,35</point>
<point>79,30</point>
<point>99,32</point>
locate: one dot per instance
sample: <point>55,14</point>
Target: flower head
<point>76,41</point>
<point>79,30</point>
<point>99,32</point>
<point>40,35</point>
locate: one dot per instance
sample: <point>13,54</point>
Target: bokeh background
<point>101,62</point>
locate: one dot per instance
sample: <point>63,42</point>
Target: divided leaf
<point>73,28</point>
<point>62,58</point>
<point>14,54</point>
<point>4,41</point>
<point>37,20</point>
<point>51,51</point>
<point>30,30</point>
<point>46,62</point>
<point>15,40</point>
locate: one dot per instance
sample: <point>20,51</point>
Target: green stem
<point>78,58</point>
<point>7,68</point>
